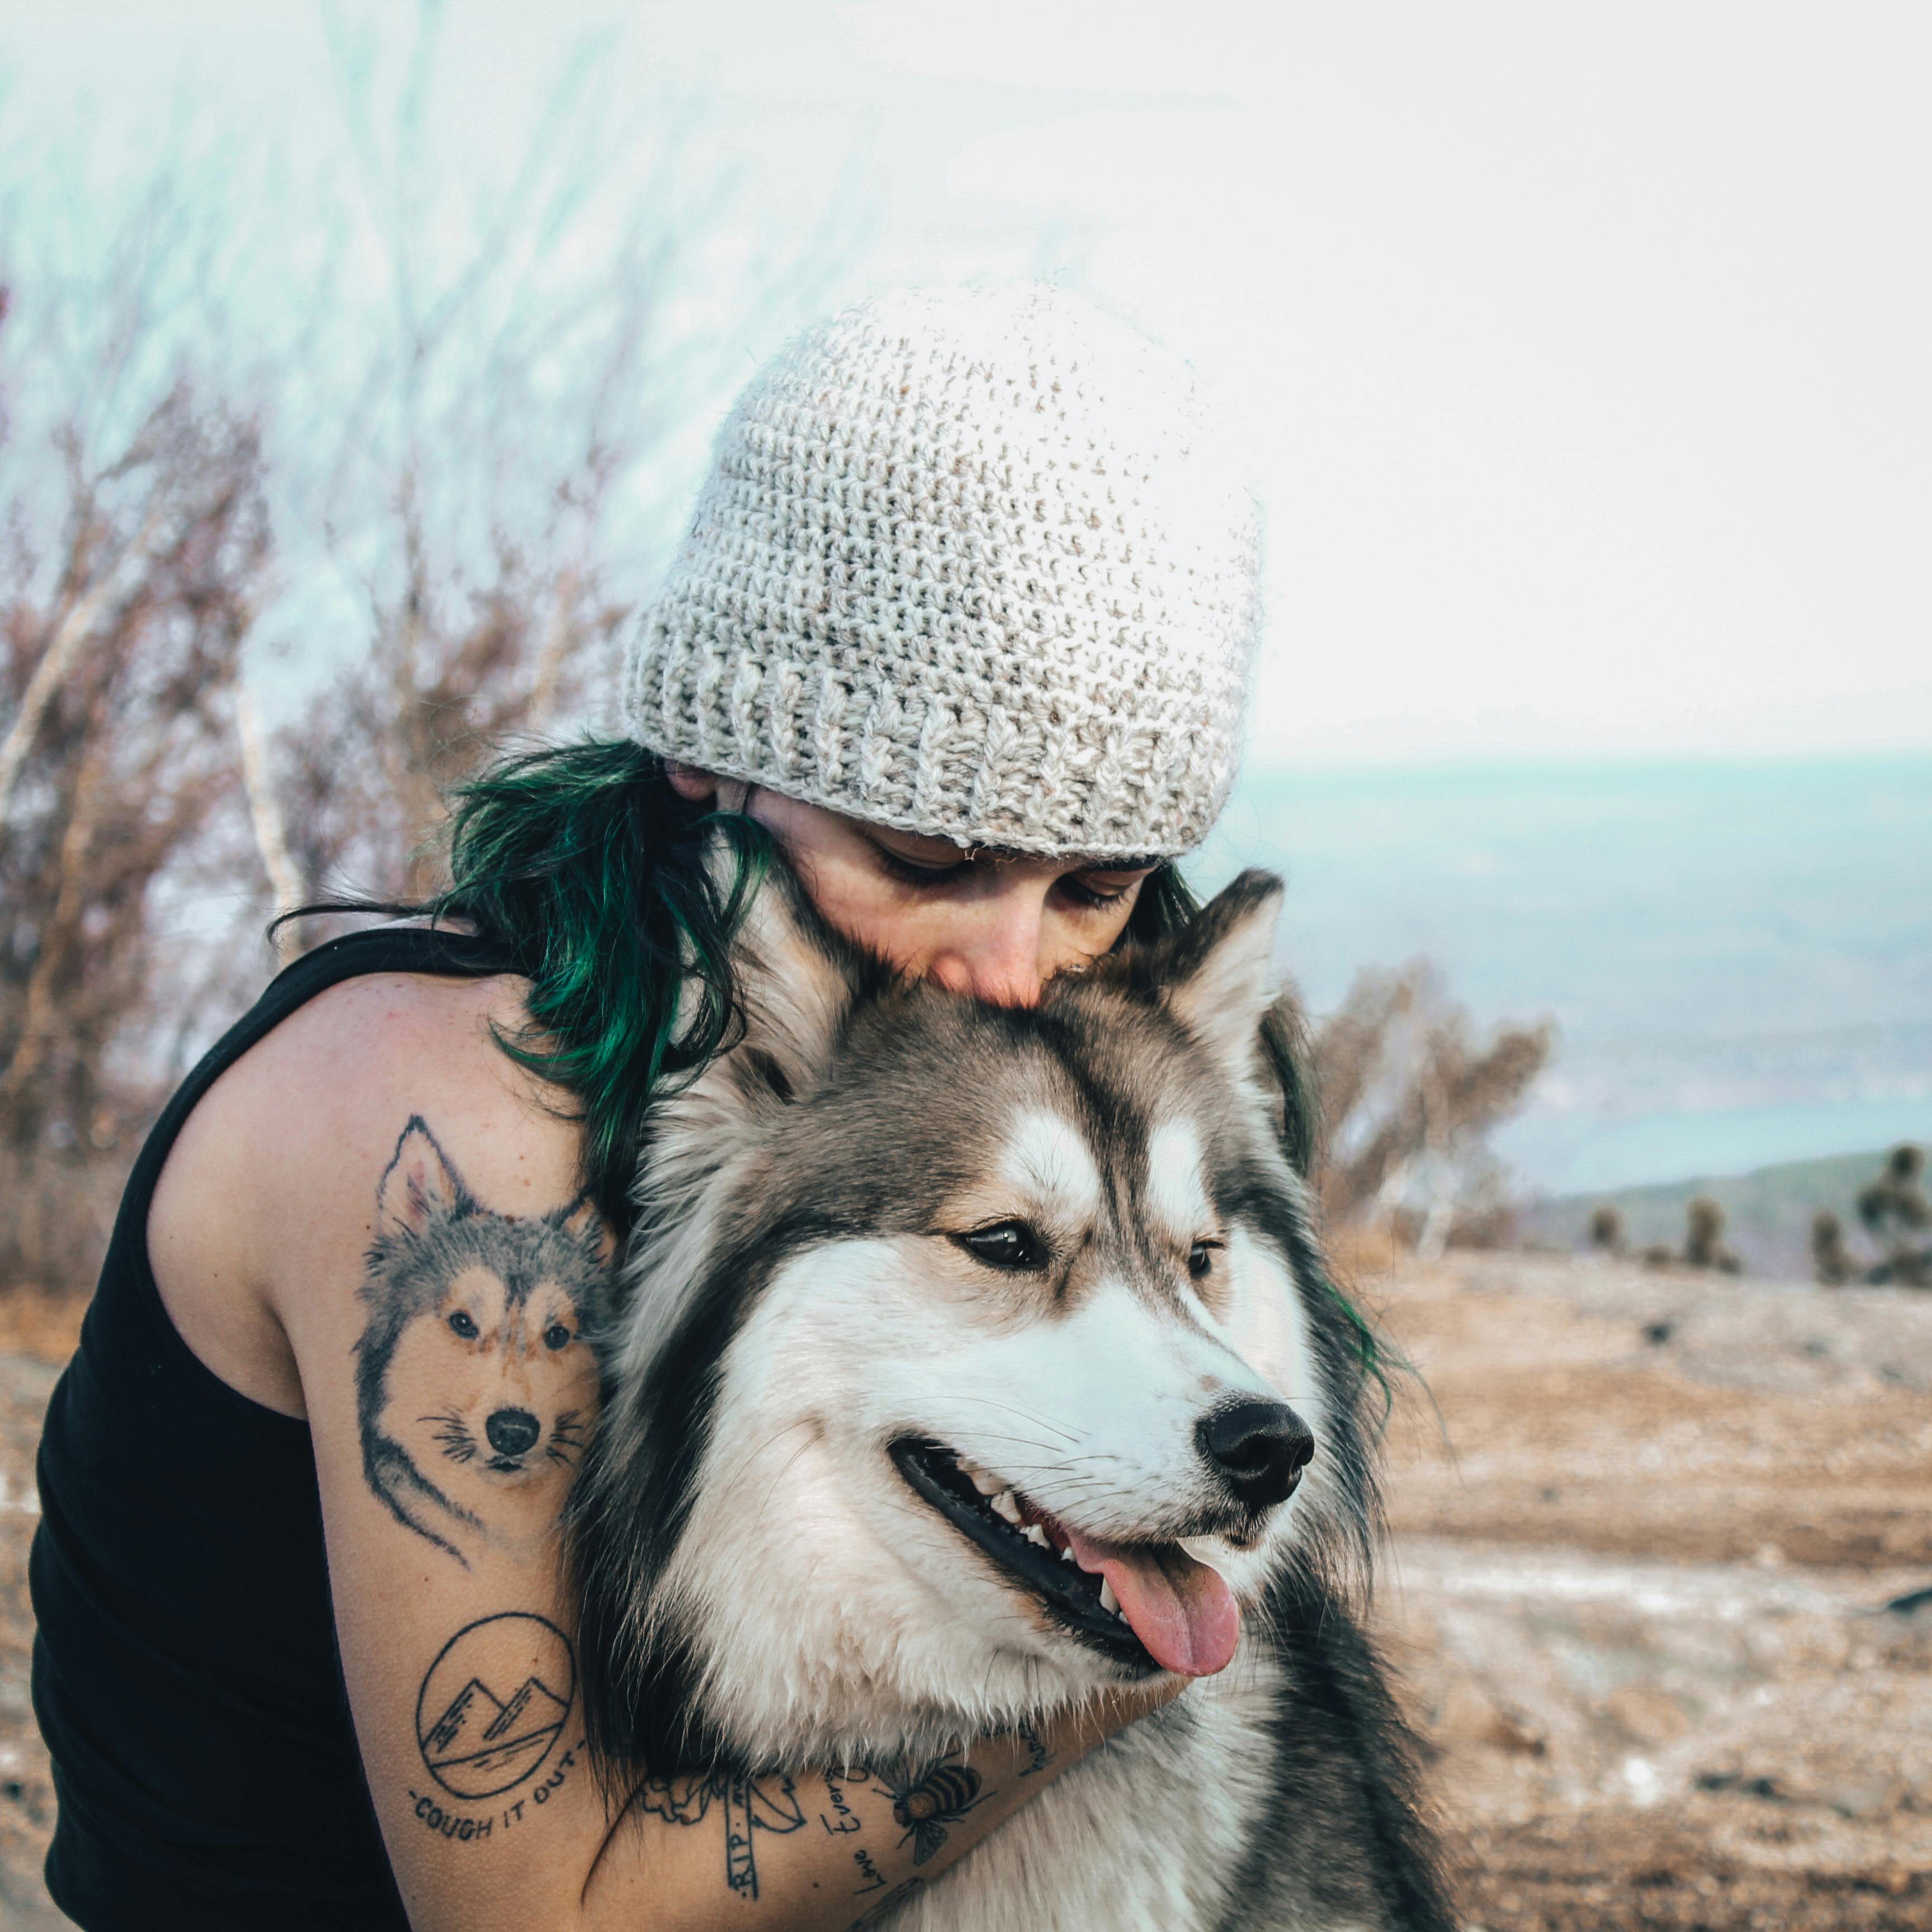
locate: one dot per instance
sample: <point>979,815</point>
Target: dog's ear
<point>582,1223</point>
<point>1221,978</point>
<point>797,978</point>
<point>419,1185</point>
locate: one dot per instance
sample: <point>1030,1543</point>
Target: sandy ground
<point>1639,1588</point>
<point>1645,1536</point>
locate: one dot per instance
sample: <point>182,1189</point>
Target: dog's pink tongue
<point>1181,1610</point>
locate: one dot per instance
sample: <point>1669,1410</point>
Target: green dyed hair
<point>585,865</point>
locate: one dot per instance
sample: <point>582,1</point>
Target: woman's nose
<point>998,959</point>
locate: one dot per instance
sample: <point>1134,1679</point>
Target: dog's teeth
<point>1034,1534</point>
<point>1003,1505</point>
<point>1108,1601</point>
<point>987,1486</point>
<point>1066,1555</point>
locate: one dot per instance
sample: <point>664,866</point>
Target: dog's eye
<point>464,1325</point>
<point>556,1335</point>
<point>1201,1259</point>
<point>1006,1244</point>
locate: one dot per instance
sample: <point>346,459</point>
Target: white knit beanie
<point>969,564</point>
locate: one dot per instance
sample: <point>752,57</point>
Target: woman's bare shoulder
<point>343,1064</point>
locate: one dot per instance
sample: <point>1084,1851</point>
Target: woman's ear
<point>688,782</point>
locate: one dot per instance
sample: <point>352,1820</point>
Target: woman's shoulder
<point>345,1028</point>
<point>344,1075</point>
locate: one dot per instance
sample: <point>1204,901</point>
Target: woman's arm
<point>405,1200</point>
<point>829,1850</point>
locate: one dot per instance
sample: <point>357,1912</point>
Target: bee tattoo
<point>940,1795</point>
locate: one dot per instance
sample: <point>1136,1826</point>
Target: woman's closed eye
<point>1091,890</point>
<point>921,876</point>
<point>1085,892</point>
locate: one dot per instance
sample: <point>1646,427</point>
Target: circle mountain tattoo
<point>493,1705</point>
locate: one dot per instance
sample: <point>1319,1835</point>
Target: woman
<point>961,633</point>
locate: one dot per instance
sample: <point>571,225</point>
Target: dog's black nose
<point>511,1431</point>
<point>1258,1449</point>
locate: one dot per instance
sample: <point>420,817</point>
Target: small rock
<point>1867,1798</point>
<point>1469,1716</point>
<point>1651,1716</point>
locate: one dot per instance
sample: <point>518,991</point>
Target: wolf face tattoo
<point>474,1385</point>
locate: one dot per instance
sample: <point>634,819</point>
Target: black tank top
<point>185,1673</point>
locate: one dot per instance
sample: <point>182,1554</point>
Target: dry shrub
<point>1831,1261</point>
<point>1896,1216</point>
<point>1606,1231</point>
<point>1704,1237</point>
<point>1409,1093</point>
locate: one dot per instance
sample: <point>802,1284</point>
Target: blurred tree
<point>467,411</point>
<point>477,492</point>
<point>121,650</point>
<point>1606,1231</point>
<point>1831,1261</point>
<point>1704,1238</point>
<point>1895,1212</point>
<point>1408,1097</point>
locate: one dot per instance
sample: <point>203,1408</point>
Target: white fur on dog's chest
<point>1147,1834</point>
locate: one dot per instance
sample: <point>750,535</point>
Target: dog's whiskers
<point>1038,1421</point>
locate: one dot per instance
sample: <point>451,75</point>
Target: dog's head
<point>971,1358</point>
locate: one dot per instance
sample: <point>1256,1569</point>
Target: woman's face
<point>998,925</point>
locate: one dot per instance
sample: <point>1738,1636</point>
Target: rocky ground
<point>1647,1531</point>
<point>1643,1559</point>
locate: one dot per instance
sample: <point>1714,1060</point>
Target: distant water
<point>1738,954</point>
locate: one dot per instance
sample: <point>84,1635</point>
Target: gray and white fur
<point>766,1585</point>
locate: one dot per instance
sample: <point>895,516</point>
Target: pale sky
<point>1585,348</point>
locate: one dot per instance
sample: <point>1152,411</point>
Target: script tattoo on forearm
<point>745,1805</point>
<point>1040,1754</point>
<point>474,1384</point>
<point>493,1711</point>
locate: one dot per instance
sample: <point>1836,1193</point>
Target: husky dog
<point>472,1377</point>
<point>972,1361</point>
